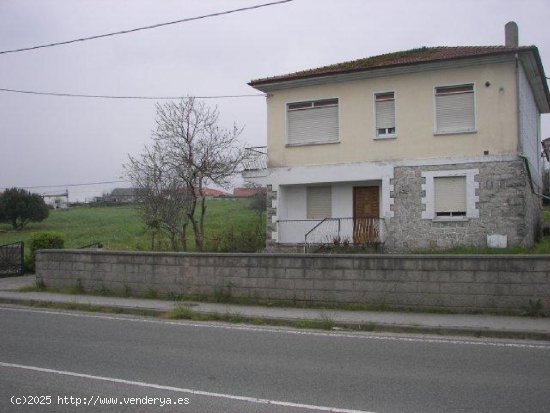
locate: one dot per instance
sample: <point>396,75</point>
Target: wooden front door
<point>366,211</point>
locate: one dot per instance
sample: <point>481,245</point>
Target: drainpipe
<point>526,162</point>
<point>518,110</point>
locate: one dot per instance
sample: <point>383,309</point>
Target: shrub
<point>245,240</point>
<point>18,207</point>
<point>44,241</point>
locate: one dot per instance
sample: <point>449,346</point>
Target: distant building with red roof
<point>247,192</point>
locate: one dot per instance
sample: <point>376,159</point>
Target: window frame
<point>388,135</point>
<point>312,101</point>
<point>428,198</point>
<point>434,97</point>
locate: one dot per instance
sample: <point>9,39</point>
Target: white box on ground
<point>497,241</point>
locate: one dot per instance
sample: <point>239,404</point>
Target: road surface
<point>83,361</point>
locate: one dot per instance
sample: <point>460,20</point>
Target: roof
<point>213,192</point>
<point>247,192</point>
<point>123,192</point>
<point>403,58</point>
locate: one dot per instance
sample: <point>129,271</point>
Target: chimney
<point>511,34</point>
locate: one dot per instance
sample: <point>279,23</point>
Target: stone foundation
<point>506,206</point>
<point>271,212</point>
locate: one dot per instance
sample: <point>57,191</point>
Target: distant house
<point>434,147</point>
<point>248,192</point>
<point>213,193</point>
<point>57,201</point>
<point>120,195</point>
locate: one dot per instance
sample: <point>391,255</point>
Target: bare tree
<point>162,198</point>
<point>194,151</point>
<point>198,151</point>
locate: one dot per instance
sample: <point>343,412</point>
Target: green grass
<point>182,312</point>
<point>120,228</point>
<point>546,214</point>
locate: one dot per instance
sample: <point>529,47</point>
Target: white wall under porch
<point>292,223</point>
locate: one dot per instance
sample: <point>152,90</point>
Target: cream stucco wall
<point>414,92</point>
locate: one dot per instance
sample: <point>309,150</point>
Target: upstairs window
<point>454,109</point>
<point>385,114</point>
<point>450,196</point>
<point>319,202</point>
<point>312,122</point>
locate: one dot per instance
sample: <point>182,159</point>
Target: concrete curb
<point>281,321</point>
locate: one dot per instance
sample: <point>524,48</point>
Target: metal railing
<point>332,231</point>
<point>255,158</point>
<point>12,257</point>
<point>95,244</point>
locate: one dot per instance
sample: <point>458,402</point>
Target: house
<point>120,195</point>
<point>57,201</point>
<point>420,149</point>
<point>213,193</point>
<point>248,192</point>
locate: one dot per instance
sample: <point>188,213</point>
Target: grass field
<point>120,227</point>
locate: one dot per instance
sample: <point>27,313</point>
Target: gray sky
<point>53,140</point>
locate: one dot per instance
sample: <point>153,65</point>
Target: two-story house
<point>425,148</point>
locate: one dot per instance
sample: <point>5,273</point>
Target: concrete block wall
<point>460,283</point>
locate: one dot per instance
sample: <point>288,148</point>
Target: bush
<point>245,240</point>
<point>44,241</point>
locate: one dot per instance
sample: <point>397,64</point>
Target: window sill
<point>385,137</point>
<point>450,219</point>
<point>470,132</point>
<point>292,145</point>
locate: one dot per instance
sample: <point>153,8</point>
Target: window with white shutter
<point>450,196</point>
<point>385,114</point>
<point>312,122</point>
<point>455,109</point>
<point>319,202</point>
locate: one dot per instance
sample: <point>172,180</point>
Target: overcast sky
<point>53,140</point>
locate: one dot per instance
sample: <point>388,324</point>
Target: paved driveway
<point>15,283</point>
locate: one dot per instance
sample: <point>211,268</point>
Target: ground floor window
<point>319,202</point>
<point>450,194</point>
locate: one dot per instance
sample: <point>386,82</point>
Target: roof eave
<point>535,73</point>
<point>268,86</point>
<point>286,78</point>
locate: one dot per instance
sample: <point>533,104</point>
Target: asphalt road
<point>229,368</point>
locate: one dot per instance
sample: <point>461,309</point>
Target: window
<point>450,196</point>
<point>319,202</point>
<point>312,122</point>
<point>385,114</point>
<point>454,109</point>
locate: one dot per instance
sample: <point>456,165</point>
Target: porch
<point>337,213</point>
